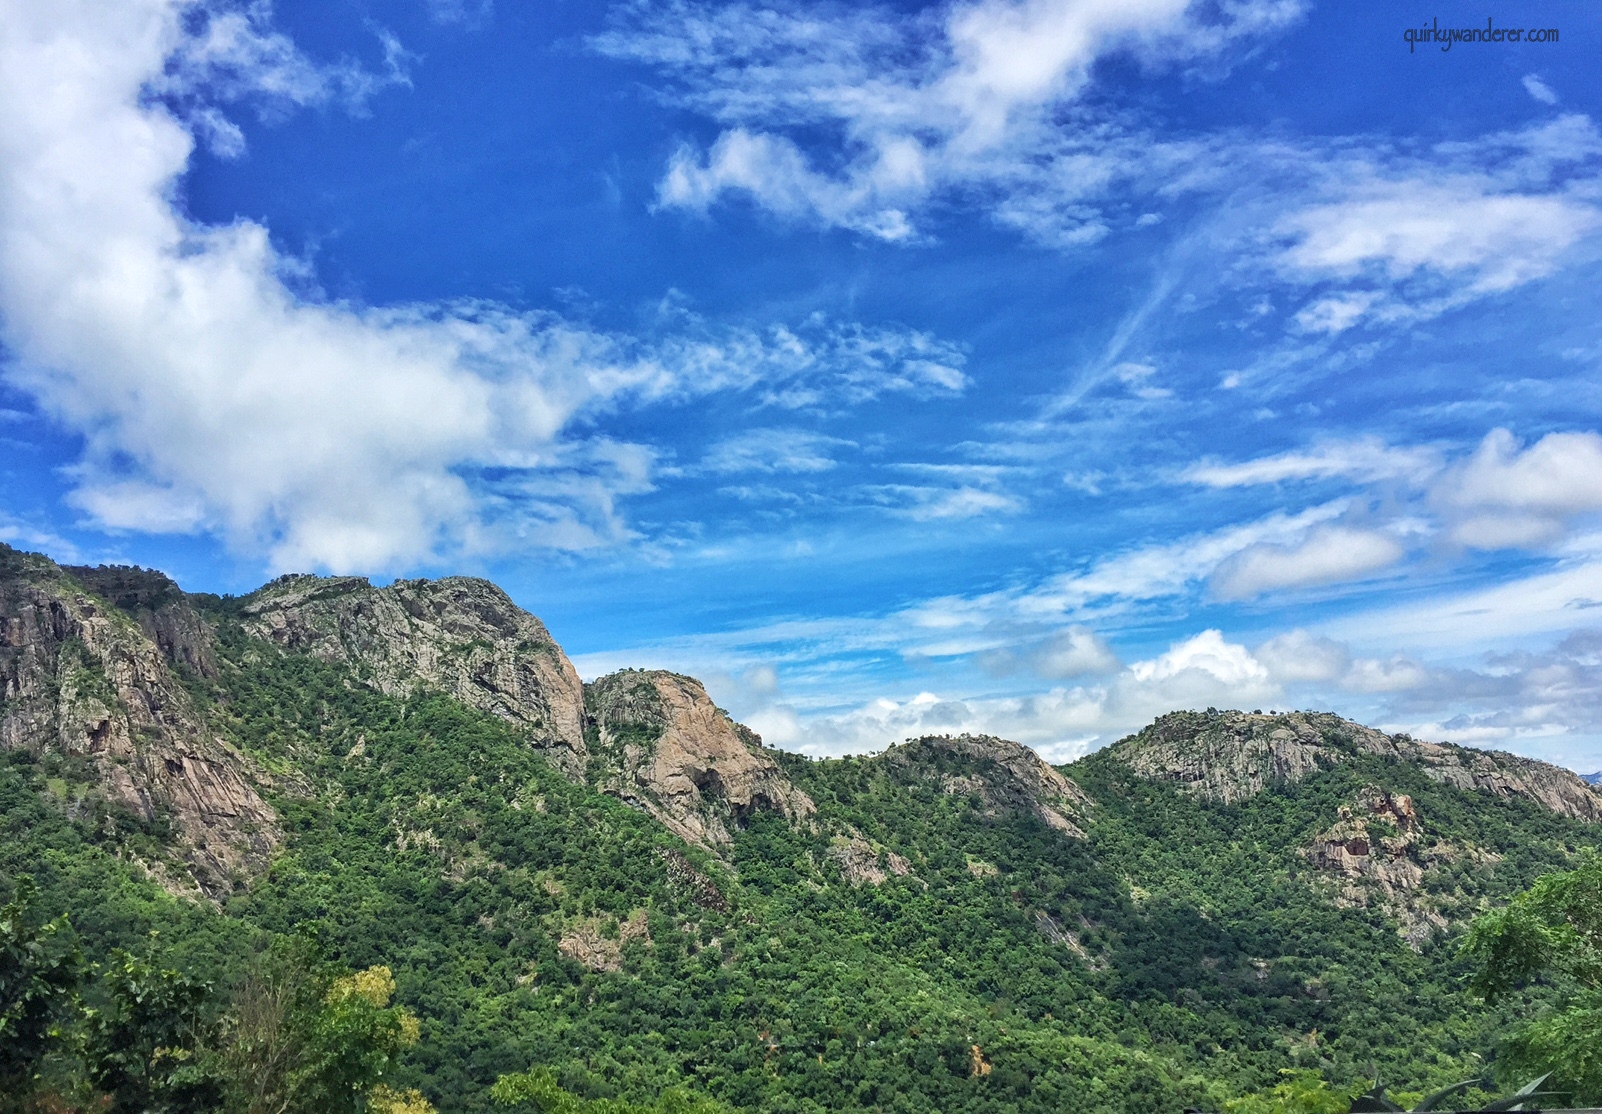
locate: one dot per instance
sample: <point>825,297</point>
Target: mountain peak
<point>1003,774</point>
<point>461,635</point>
<point>1229,756</point>
<point>677,755</point>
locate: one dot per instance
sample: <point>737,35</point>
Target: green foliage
<point>538,1090</point>
<point>41,969</point>
<point>143,1048</point>
<point>304,1038</point>
<point>1303,1091</point>
<point>1184,953</point>
<point>1550,934</point>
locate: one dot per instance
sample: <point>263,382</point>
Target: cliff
<point>460,636</point>
<point>87,682</point>
<point>664,746</point>
<point>1230,756</point>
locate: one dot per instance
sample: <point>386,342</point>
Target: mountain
<point>619,882</point>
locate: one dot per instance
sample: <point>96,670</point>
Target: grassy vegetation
<point>1183,953</point>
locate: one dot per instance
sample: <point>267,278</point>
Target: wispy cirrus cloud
<point>1361,459</point>
<point>979,96</point>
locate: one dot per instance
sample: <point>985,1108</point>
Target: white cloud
<point>1561,474</point>
<point>1542,603</point>
<point>1158,571</point>
<point>1061,723</point>
<point>1539,89</point>
<point>933,503</point>
<point>1507,530</point>
<point>1207,653</point>
<point>1396,674</point>
<point>773,450</point>
<point>951,99</point>
<point>1500,239</point>
<point>1506,496</point>
<point>1298,656</point>
<point>1325,556</point>
<point>212,396</point>
<point>1076,652</point>
<point>1407,236</point>
<point>1365,460</point>
<point>1336,313</point>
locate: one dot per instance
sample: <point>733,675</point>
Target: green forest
<point>405,949</point>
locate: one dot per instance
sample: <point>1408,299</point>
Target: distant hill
<point>619,882</point>
<point>1592,779</point>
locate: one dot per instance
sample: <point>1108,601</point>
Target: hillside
<point>617,881</point>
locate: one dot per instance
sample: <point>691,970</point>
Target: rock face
<point>1379,853</point>
<point>461,636</point>
<point>1230,756</point>
<point>86,680</point>
<point>860,862</point>
<point>662,745</point>
<point>597,944</point>
<point>1006,776</point>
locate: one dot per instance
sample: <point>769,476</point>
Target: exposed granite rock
<point>861,862</point>
<point>665,747</point>
<point>86,680</point>
<point>683,873</point>
<point>1006,776</point>
<point>460,635</point>
<point>596,943</point>
<point>1379,853</point>
<point>1230,756</point>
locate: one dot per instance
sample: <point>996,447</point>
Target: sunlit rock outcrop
<point>662,744</point>
<point>1231,756</point>
<point>93,684</point>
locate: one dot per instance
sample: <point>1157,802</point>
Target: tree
<point>1550,935</point>
<point>306,1039</point>
<point>145,1048</point>
<point>41,969</point>
<point>538,1090</point>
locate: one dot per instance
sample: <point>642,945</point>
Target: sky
<point>1026,367</point>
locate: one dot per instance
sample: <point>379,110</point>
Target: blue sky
<point>1021,366</point>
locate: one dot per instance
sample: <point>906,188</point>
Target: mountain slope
<point>951,924</point>
<point>1230,756</point>
<point>94,686</point>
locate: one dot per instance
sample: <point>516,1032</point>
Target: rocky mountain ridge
<point>677,755</point>
<point>1003,775</point>
<point>94,685</point>
<point>97,665</point>
<point>1230,756</point>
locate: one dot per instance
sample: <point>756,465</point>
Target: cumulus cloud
<point>1327,555</point>
<point>956,98</point>
<point>1297,656</point>
<point>1508,496</point>
<point>1076,652</point>
<point>1062,723</point>
<point>213,396</point>
<point>1561,473</point>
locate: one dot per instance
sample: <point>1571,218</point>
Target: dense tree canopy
<point>449,911</point>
